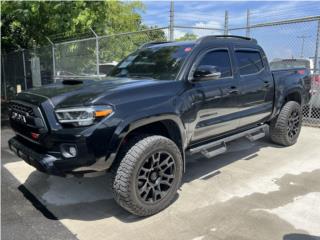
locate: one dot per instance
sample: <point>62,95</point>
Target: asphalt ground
<point>257,190</point>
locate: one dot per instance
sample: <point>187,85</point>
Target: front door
<point>217,105</point>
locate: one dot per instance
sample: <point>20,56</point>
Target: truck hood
<point>85,92</point>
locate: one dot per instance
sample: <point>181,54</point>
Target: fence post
<point>248,23</point>
<point>53,59</point>
<point>303,37</point>
<point>4,78</point>
<point>171,21</point>
<point>226,19</point>
<point>97,51</point>
<point>316,62</point>
<point>24,71</point>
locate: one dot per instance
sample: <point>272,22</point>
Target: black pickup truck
<point>164,101</point>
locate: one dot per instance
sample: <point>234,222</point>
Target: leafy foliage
<point>27,24</point>
<point>187,37</point>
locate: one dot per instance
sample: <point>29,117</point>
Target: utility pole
<point>226,20</point>
<point>171,21</point>
<point>303,37</point>
<point>248,23</point>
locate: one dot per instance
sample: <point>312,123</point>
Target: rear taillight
<point>301,72</point>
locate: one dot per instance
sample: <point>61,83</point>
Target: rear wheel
<point>285,128</point>
<point>148,176</point>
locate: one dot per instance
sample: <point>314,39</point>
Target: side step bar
<point>215,148</point>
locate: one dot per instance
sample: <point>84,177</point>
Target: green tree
<point>26,24</point>
<point>116,47</point>
<point>187,37</point>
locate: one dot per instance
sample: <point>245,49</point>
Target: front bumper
<point>53,164</point>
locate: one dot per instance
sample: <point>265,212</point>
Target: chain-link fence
<point>288,43</point>
<point>76,58</point>
<point>12,73</point>
<point>88,57</point>
<point>295,40</point>
<point>25,69</point>
<point>292,43</point>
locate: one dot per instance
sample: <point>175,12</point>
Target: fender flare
<point>280,98</point>
<point>130,124</point>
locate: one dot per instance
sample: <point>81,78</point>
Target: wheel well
<point>295,96</point>
<point>166,128</point>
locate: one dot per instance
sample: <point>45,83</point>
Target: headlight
<point>82,116</point>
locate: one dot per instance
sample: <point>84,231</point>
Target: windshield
<point>291,63</point>
<point>157,62</point>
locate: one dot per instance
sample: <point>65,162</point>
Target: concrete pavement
<point>255,191</point>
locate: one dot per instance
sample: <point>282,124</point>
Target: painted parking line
<point>86,207</point>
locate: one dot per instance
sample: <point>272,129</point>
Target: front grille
<point>22,109</point>
<point>26,119</point>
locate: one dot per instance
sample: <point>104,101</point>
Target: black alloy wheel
<point>156,176</point>
<point>293,123</point>
<point>149,175</point>
<point>285,127</point>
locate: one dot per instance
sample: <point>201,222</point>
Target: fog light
<point>68,150</point>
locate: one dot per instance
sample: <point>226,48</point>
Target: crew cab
<point>164,101</point>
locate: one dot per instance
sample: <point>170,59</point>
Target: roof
<point>168,44</point>
<point>201,40</point>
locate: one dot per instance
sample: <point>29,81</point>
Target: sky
<point>279,42</point>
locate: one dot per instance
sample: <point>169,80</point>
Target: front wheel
<point>285,128</point>
<point>148,176</point>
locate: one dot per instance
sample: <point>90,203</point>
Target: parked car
<point>160,103</point>
<point>105,68</point>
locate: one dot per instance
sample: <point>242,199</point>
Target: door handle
<point>233,90</point>
<point>266,84</point>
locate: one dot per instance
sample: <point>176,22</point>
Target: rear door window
<point>249,62</point>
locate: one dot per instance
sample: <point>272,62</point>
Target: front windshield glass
<point>157,62</point>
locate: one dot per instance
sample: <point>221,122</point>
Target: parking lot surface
<point>257,190</point>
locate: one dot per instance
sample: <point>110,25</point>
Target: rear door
<point>217,110</point>
<point>255,84</point>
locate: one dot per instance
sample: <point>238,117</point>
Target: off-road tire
<point>125,185</point>
<point>279,126</point>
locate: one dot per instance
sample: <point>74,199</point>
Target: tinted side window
<point>220,59</point>
<point>249,62</point>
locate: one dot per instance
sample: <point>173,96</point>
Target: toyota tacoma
<point>164,101</point>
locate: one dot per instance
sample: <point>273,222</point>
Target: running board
<point>254,137</point>
<point>220,146</point>
<point>215,152</point>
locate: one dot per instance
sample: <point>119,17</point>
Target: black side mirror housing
<point>206,72</point>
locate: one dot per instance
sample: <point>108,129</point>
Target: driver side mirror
<point>206,72</point>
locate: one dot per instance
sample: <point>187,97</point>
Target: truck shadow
<point>199,167</point>
<point>90,199</point>
<point>298,236</point>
